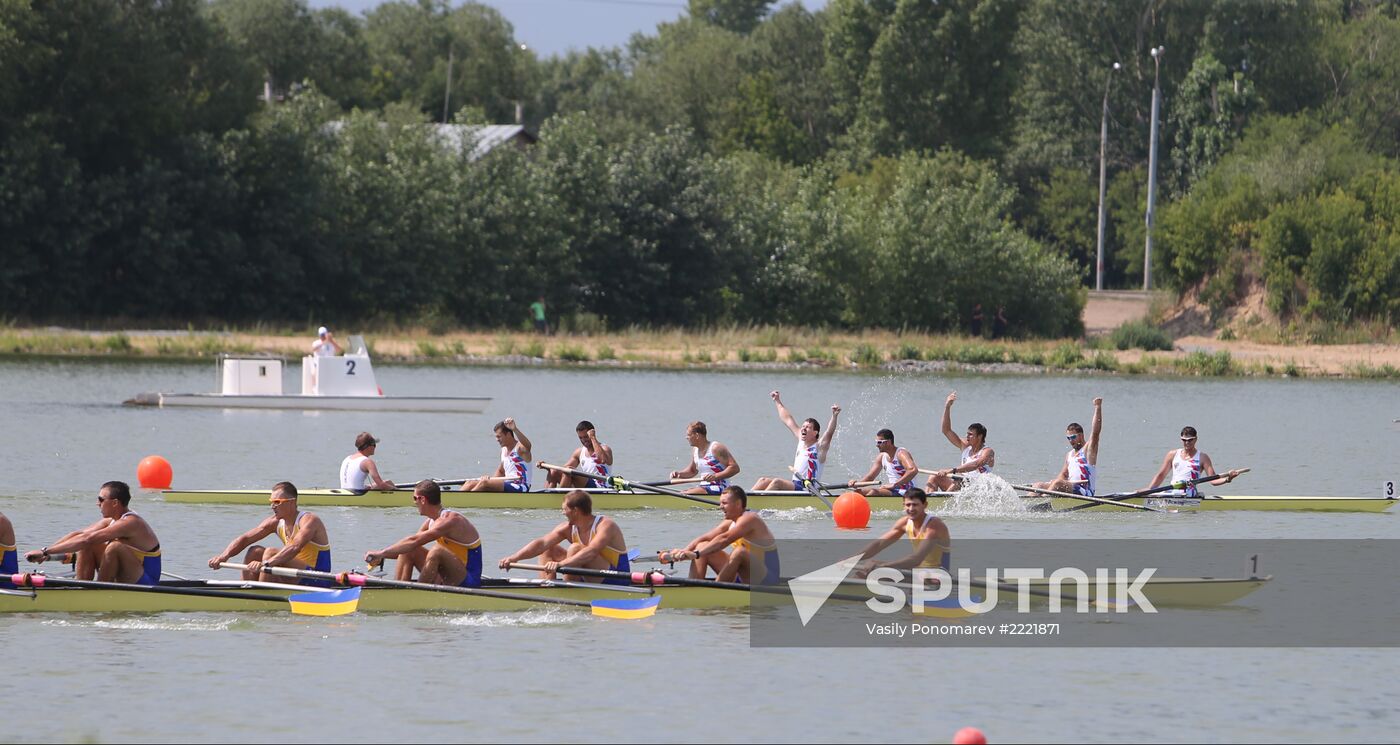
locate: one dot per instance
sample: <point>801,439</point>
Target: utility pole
<point>447,89</point>
<point>1103,172</point>
<point>1157,53</point>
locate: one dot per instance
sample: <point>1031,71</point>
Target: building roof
<point>482,139</point>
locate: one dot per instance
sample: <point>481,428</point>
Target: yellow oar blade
<point>626,608</point>
<point>948,609</point>
<point>336,603</point>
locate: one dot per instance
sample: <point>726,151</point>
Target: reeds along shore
<point>1126,351</point>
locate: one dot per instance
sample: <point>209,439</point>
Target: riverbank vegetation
<point>877,164</point>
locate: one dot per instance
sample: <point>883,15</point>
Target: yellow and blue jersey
<point>9,564</point>
<point>937,557</point>
<point>469,554</point>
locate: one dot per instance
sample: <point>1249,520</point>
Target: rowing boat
<point>1191,592</point>
<point>607,500</point>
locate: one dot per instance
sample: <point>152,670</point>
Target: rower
<point>1186,464</point>
<point>455,558</point>
<point>305,544</point>
<point>120,547</point>
<point>932,545</point>
<point>358,473</point>
<point>595,542</point>
<point>513,474</point>
<point>896,464</point>
<point>976,456</point>
<point>1080,474</point>
<point>754,559</point>
<point>594,457</point>
<point>812,447</point>
<point>9,557</point>
<point>710,460</point>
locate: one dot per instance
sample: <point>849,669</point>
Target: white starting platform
<point>344,382</point>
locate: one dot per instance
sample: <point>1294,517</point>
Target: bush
<point>1067,355</point>
<point>908,351</point>
<point>605,352</point>
<point>866,356</point>
<point>534,349</point>
<point>1205,363</point>
<point>1141,335</point>
<point>570,353</point>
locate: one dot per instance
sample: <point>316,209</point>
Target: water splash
<point>545,616</point>
<point>153,624</point>
<point>989,495</point>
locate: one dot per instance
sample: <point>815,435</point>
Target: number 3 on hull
<point>1388,491</point>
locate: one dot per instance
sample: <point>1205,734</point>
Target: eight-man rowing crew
<point>447,549</point>
<point>712,464</point>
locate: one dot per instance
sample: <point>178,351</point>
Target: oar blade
<point>337,603</point>
<point>948,609</point>
<point>628,609</point>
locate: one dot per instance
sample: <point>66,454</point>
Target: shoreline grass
<point>734,347</point>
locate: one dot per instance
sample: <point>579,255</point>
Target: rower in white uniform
<point>593,457</point>
<point>358,471</point>
<point>1080,474</point>
<point>975,456</point>
<point>513,474</point>
<point>1186,464</point>
<point>710,460</point>
<point>812,446</point>
<point>894,463</point>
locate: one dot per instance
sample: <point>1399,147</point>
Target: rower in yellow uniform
<point>305,544</point>
<point>932,545</point>
<point>120,547</point>
<point>595,542</point>
<point>9,557</point>
<point>754,559</point>
<point>455,555</point>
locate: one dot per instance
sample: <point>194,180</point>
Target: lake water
<point>681,675</point>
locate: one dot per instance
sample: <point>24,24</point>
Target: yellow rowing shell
<point>1194,592</point>
<point>608,500</point>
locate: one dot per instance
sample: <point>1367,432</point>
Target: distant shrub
<point>1141,335</point>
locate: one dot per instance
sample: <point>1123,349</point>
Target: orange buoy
<point>154,472</point>
<point>851,511</point>
<point>969,736</point>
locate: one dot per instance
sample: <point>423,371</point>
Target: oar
<point>601,477</point>
<point>812,486</point>
<point>652,579</point>
<point>42,580</point>
<point>1095,500</point>
<point>1145,492</point>
<point>657,578</point>
<point>625,608</point>
<point>620,484</point>
<point>439,482</point>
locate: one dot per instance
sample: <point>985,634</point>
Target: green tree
<point>739,16</point>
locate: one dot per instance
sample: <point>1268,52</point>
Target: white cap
<point>322,331</point>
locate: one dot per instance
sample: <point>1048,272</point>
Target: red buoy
<point>154,472</point>
<point>851,511</point>
<point>969,736</point>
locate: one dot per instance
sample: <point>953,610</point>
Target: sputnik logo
<point>810,591</point>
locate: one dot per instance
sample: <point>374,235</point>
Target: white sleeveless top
<point>708,463</point>
<point>1078,469</point>
<point>515,467</point>
<point>894,470</point>
<point>1186,469</point>
<point>807,465</point>
<point>967,455</point>
<point>587,462</point>
<point>351,475</point>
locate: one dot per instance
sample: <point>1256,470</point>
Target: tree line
<point>877,163</point>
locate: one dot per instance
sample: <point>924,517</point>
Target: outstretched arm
<point>1094,430</point>
<point>948,422</point>
<point>784,415</point>
<point>263,530</point>
<point>824,444</point>
<point>521,438</point>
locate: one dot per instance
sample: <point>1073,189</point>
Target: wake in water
<point>989,495</point>
<point>154,624</point>
<point>546,615</point>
